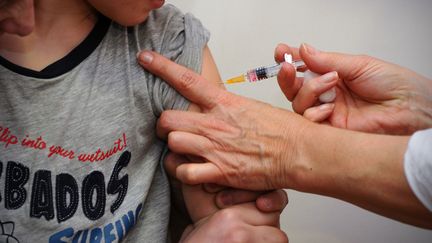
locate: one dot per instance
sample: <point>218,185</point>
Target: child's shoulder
<point>167,12</point>
<point>168,29</point>
<point>165,18</point>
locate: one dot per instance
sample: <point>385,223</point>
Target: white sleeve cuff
<point>418,166</point>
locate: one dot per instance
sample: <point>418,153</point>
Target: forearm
<point>363,169</point>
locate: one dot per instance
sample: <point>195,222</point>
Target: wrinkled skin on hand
<point>249,143</point>
<point>233,135</point>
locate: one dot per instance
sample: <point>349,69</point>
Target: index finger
<point>189,84</point>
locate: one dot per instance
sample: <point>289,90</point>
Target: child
<point>79,156</point>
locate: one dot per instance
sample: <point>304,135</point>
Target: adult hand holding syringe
<point>261,73</point>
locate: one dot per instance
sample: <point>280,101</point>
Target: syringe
<point>262,73</point>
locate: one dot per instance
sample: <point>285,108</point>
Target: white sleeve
<point>418,166</point>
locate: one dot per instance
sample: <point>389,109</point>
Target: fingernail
<point>329,77</point>
<point>267,204</point>
<point>327,107</point>
<point>310,49</point>
<point>226,199</point>
<point>145,57</point>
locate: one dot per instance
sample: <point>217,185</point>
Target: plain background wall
<point>244,35</point>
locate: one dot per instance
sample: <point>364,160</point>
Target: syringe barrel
<point>261,73</point>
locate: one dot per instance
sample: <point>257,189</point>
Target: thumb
<point>348,67</point>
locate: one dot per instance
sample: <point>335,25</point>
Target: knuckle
<point>237,234</point>
<point>228,216</point>
<point>187,80</point>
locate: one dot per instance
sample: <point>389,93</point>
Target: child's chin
<point>132,22</point>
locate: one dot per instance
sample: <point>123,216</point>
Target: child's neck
<point>60,26</point>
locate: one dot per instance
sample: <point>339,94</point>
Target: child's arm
<point>209,71</point>
<point>239,223</point>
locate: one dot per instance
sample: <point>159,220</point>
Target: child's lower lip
<point>158,3</point>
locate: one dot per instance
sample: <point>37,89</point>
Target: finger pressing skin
<point>282,49</point>
<point>288,82</point>
<point>319,113</point>
<point>274,201</point>
<point>188,83</point>
<point>229,197</point>
<point>311,90</point>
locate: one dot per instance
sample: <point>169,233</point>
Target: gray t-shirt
<point>79,156</point>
